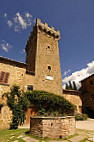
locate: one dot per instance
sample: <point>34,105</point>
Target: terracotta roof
<point>12,62</point>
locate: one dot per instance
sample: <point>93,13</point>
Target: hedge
<point>50,104</point>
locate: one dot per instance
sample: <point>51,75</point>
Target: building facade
<point>87,95</point>
<point>74,97</point>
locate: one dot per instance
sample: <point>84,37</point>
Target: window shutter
<point>6,78</point>
<point>2,76</point>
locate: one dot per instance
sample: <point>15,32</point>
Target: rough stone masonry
<point>52,127</point>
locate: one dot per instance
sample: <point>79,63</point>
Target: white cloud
<point>66,72</point>
<point>28,15</point>
<point>22,22</point>
<point>23,51</point>
<point>77,76</point>
<point>5,15</point>
<point>5,46</point>
<point>16,28</point>
<point>19,20</point>
<point>9,23</point>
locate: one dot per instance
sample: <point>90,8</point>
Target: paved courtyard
<point>87,125</point>
<point>85,133</point>
<point>81,136</point>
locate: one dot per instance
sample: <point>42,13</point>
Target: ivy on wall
<point>18,103</point>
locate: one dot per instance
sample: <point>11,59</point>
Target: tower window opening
<point>49,68</point>
<point>48,47</point>
<point>29,87</point>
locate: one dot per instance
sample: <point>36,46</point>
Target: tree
<point>66,87</point>
<point>70,86</point>
<point>74,86</point>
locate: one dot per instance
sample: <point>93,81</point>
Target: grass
<point>47,139</point>
<point>12,135</point>
<point>84,140</point>
<point>71,136</point>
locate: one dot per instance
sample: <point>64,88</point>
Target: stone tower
<point>42,57</point>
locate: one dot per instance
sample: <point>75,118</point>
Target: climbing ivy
<point>18,103</point>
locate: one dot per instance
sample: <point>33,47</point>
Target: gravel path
<point>86,125</point>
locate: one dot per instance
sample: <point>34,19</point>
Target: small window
<point>49,68</point>
<point>4,76</point>
<point>29,87</point>
<point>91,82</point>
<point>48,47</point>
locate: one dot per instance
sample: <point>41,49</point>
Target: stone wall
<point>52,127</point>
<point>48,56</point>
<point>88,84</point>
<point>88,103</point>
<point>5,117</point>
<point>87,96</point>
<point>75,98</point>
<point>43,58</point>
<point>17,76</point>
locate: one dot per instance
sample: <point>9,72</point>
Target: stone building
<point>87,95</point>
<point>75,98</point>
<point>41,70</point>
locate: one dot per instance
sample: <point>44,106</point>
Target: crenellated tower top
<point>49,30</point>
<point>39,26</point>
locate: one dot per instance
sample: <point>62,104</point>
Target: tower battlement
<point>44,28</point>
<point>49,30</point>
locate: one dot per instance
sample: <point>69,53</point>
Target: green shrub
<point>49,104</point>
<point>79,116</point>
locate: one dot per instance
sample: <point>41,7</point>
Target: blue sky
<point>74,19</point>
